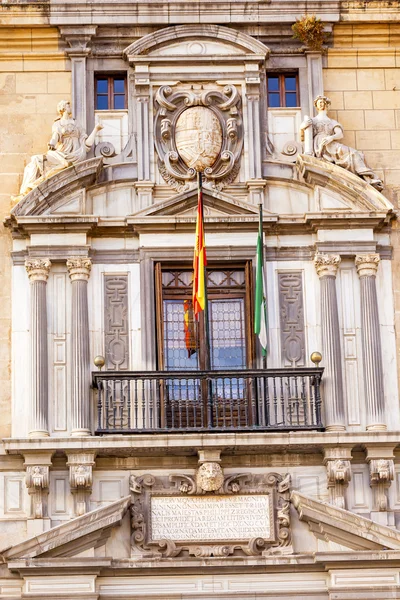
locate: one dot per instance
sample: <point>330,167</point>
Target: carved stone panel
<point>291,310</point>
<point>116,325</point>
<point>248,515</point>
<point>198,130</point>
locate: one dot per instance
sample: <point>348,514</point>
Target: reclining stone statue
<point>68,146</point>
<point>321,137</point>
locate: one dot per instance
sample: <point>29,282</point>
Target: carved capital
<point>367,264</point>
<point>327,265</point>
<point>381,472</point>
<point>38,269</point>
<point>81,479</point>
<point>78,39</point>
<point>37,482</point>
<point>79,268</point>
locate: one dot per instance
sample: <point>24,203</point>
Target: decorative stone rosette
<point>198,131</point>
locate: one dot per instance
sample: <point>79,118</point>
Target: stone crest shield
<point>198,137</point>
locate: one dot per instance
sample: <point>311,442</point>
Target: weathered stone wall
<point>362,79</point>
<point>34,76</point>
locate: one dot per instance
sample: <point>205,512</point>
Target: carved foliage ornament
<point>198,131</point>
<point>214,521</point>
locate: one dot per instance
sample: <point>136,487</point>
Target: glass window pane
<point>291,99</point>
<point>119,102</point>
<point>290,83</point>
<point>119,86</point>
<point>273,83</point>
<point>273,100</point>
<point>102,103</point>
<point>102,86</point>
<point>227,332</point>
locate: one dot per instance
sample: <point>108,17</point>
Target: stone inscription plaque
<point>210,518</point>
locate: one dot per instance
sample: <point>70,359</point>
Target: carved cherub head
<point>322,102</point>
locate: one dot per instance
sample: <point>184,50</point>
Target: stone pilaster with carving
<point>37,481</point>
<point>367,266</point>
<point>326,266</point>
<point>81,480</point>
<point>338,474</point>
<point>79,272</point>
<point>381,473</point>
<point>78,39</point>
<point>38,272</point>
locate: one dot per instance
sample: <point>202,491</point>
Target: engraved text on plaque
<point>211,518</point>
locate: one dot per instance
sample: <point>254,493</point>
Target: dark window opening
<point>283,90</point>
<point>110,92</point>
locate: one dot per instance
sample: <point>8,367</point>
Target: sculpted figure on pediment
<point>321,136</point>
<point>68,145</point>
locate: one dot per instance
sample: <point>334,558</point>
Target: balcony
<point>207,401</point>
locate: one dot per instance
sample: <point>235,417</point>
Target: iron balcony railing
<point>187,401</point>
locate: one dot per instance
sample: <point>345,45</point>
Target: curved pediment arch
<point>240,43</point>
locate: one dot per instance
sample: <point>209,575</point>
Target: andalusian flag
<point>199,260</point>
<point>260,312</point>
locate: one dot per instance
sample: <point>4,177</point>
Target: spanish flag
<point>199,259</point>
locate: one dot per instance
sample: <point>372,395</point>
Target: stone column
<point>79,272</point>
<point>327,266</point>
<point>367,266</point>
<point>314,78</point>
<point>38,272</point>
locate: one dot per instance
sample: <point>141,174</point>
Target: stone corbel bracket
<point>381,474</point>
<point>81,479</point>
<point>210,481</point>
<point>37,481</point>
<point>338,473</point>
<point>226,106</point>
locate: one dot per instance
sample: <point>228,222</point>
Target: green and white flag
<point>260,309</point>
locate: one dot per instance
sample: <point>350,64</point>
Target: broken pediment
<point>341,190</point>
<point>73,537</point>
<point>62,189</point>
<point>333,524</point>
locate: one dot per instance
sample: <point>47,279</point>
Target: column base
<point>38,433</point>
<point>335,428</point>
<point>80,432</point>
<point>377,427</point>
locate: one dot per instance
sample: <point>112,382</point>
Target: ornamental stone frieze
<point>198,130</point>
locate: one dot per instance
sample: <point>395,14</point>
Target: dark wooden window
<point>230,319</point>
<point>283,90</point>
<point>110,92</point>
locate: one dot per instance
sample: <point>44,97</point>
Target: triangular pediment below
<point>73,537</point>
<point>185,204</point>
<point>333,524</point>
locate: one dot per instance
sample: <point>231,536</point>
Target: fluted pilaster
<point>367,266</point>
<point>79,272</point>
<point>38,272</point>
<point>326,266</point>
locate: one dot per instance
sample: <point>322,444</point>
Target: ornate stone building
<point>129,469</point>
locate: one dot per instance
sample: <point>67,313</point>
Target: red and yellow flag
<point>199,261</point>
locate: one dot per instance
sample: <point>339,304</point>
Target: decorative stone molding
<point>81,479</point>
<point>381,472</point>
<point>154,497</point>
<point>187,120</point>
<point>38,269</point>
<point>79,268</point>
<point>37,482</point>
<point>367,264</point>
<point>338,473</point>
<point>327,265</point>
<point>78,38</point>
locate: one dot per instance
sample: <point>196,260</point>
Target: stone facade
<point>127,482</point>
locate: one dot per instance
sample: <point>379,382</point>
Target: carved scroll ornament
<point>198,131</point>
<point>152,497</point>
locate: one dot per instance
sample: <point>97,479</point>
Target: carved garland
<point>226,106</point>
<point>147,486</point>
